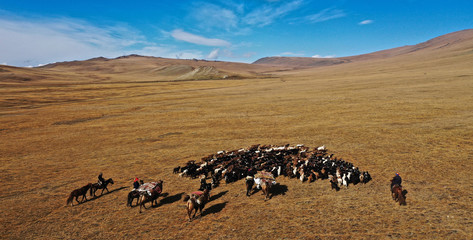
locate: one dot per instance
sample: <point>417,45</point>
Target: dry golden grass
<point>413,115</point>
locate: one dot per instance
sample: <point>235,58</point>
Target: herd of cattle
<point>298,162</point>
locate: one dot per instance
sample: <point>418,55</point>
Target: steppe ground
<point>410,118</point>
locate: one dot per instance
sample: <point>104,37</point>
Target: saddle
<point>197,193</point>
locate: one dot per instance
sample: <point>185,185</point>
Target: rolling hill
<point>446,44</point>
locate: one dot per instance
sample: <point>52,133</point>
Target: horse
<point>79,192</point>
<point>250,181</point>
<point>103,186</point>
<point>196,202</point>
<point>132,195</point>
<point>151,196</point>
<point>266,186</point>
<point>398,194</point>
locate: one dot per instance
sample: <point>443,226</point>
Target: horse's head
<point>110,180</point>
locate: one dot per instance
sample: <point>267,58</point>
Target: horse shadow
<point>215,208</point>
<point>106,193</point>
<point>279,189</point>
<point>217,196</point>
<point>169,199</point>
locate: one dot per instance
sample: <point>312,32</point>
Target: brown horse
<point>132,195</point>
<point>151,196</point>
<point>398,194</point>
<point>196,202</point>
<point>103,186</point>
<point>79,192</point>
<point>266,186</point>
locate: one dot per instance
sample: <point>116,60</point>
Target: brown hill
<point>159,69</point>
<point>461,40</point>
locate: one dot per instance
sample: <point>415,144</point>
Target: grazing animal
<point>151,195</point>
<point>302,175</point>
<point>333,183</point>
<point>398,194</point>
<point>311,177</point>
<point>365,177</point>
<point>215,181</point>
<point>102,186</point>
<point>132,195</point>
<point>266,186</point>
<point>176,170</point>
<point>196,202</point>
<point>79,192</point>
<point>250,181</point>
<point>344,180</point>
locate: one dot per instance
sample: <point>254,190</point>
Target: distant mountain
<point>156,68</point>
<point>449,42</point>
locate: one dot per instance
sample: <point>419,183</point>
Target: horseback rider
<point>136,183</point>
<point>101,179</point>
<point>397,180</point>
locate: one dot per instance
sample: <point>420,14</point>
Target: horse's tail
<point>128,199</point>
<point>69,200</point>
<point>186,198</point>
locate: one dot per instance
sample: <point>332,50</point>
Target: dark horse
<point>79,192</point>
<point>196,202</point>
<point>132,195</point>
<point>151,196</point>
<point>103,186</point>
<point>398,194</point>
<point>249,185</point>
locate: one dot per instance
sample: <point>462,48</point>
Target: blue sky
<point>40,32</point>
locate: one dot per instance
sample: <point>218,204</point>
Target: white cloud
<point>168,52</point>
<point>325,15</point>
<point>292,54</point>
<point>211,16</point>
<point>267,14</point>
<point>199,40</point>
<point>365,22</point>
<point>32,42</point>
<point>26,43</point>
<point>319,56</point>
<point>213,54</point>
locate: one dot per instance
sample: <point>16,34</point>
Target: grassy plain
<point>410,114</point>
